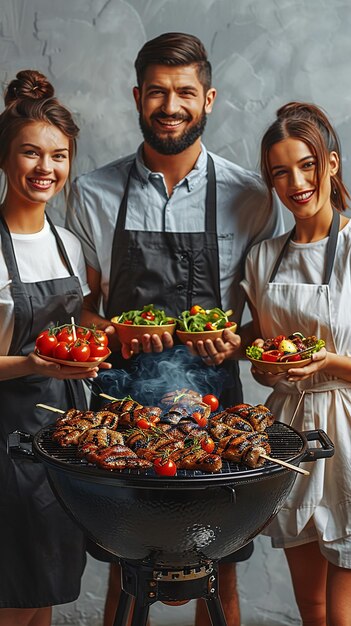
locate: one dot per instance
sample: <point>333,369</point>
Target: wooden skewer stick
<point>50,408</point>
<point>285,464</point>
<point>104,395</point>
<point>74,329</point>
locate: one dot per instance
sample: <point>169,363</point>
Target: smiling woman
<point>42,272</point>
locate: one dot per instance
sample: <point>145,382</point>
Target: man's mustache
<point>176,116</point>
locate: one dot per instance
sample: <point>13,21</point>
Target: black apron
<point>42,550</point>
<point>173,270</point>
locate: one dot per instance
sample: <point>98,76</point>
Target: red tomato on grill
<point>143,423</point>
<point>208,445</point>
<point>165,467</point>
<point>45,343</point>
<point>211,401</point>
<point>200,419</point>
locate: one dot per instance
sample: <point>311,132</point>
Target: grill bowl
<point>173,521</point>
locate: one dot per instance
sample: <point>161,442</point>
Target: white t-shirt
<point>38,259</point>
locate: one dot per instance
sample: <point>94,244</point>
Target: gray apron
<point>42,550</point>
<point>171,270</point>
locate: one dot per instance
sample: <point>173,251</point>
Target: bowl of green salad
<point>138,322</point>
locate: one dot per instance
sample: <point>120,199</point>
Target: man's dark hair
<point>174,49</point>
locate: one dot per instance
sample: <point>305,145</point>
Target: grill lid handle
<point>327,449</point>
<point>19,445</point>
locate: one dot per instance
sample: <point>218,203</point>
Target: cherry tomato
<point>209,326</point>
<point>211,401</point>
<point>208,444</point>
<point>165,467</point>
<point>46,342</point>
<point>201,420</point>
<point>65,334</point>
<point>127,322</point>
<point>228,324</point>
<point>97,351</point>
<point>80,351</point>
<point>83,333</point>
<point>271,355</point>
<point>143,423</point>
<point>62,351</point>
<point>196,309</point>
<point>99,336</point>
<point>148,315</point>
<point>278,339</point>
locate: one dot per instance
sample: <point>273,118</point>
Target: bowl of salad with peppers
<point>199,324</point>
<point>136,323</point>
<point>281,353</point>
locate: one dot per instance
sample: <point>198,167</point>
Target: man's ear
<point>136,94</point>
<point>209,99</point>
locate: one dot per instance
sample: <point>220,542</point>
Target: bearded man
<point>171,225</point>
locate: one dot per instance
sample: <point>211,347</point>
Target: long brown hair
<point>307,122</point>
<point>30,98</point>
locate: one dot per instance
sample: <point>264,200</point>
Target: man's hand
<point>217,351</point>
<point>149,343</point>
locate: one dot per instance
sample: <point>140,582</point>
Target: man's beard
<point>171,145</point>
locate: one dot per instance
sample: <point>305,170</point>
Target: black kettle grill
<point>170,532</point>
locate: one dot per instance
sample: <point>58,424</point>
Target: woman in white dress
<point>301,281</point>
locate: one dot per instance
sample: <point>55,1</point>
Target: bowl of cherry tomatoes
<point>136,323</point>
<point>74,345</point>
<point>198,324</point>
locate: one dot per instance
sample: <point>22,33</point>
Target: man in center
<point>171,225</point>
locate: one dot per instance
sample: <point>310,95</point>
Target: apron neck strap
<point>331,249</point>
<point>211,198</point>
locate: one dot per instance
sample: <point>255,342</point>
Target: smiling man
<point>171,225</point>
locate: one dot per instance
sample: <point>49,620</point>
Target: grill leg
<point>123,609</point>
<point>215,610</point>
<point>140,615</point>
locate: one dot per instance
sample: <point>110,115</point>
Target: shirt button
<point>180,287</point>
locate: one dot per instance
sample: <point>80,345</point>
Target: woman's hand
<point>61,372</point>
<point>217,351</point>
<point>319,362</point>
<point>149,343</point>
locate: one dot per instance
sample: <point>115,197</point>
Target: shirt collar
<point>191,179</point>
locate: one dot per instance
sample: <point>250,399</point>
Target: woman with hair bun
<point>301,281</point>
<point>42,550</point>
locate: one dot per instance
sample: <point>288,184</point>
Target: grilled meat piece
<point>150,413</point>
<point>117,457</point>
<point>196,459</point>
<point>234,421</point>
<point>259,416</point>
<point>101,436</point>
<point>70,434</point>
<point>237,447</point>
<point>180,397</point>
<point>73,414</point>
<point>177,412</point>
<point>124,409</point>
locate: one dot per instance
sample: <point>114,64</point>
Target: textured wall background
<point>263,55</point>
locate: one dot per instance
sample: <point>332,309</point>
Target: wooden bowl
<point>127,332</point>
<point>277,367</point>
<point>95,362</point>
<point>185,335</point>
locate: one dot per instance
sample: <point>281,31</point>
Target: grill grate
<point>286,443</point>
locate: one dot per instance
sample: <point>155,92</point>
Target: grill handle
<point>19,446</point>
<point>327,449</point>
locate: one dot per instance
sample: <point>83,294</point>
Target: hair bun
<point>29,84</point>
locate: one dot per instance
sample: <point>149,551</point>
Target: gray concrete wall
<point>264,53</point>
